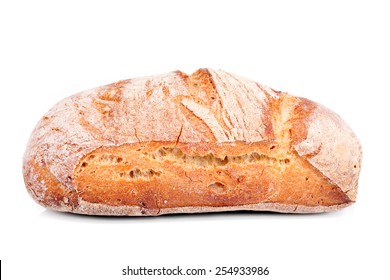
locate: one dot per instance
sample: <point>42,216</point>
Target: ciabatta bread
<point>174,143</point>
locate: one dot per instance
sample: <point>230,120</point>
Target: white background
<point>336,53</point>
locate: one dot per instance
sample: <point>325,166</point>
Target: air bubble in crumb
<point>176,155</point>
<point>137,173</point>
<point>110,159</point>
<point>217,187</point>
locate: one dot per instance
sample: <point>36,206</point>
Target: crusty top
<point>209,106</point>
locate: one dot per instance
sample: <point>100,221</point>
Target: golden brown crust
<point>159,175</point>
<point>175,143</point>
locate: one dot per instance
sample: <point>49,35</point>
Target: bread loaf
<point>177,143</point>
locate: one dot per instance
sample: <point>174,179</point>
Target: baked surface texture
<point>178,143</point>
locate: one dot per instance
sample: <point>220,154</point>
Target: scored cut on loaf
<point>178,143</point>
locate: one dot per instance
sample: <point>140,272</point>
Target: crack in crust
<point>210,159</point>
